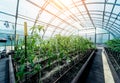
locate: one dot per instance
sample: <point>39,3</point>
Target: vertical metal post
<point>109,35</point>
<point>11,44</point>
<point>16,22</point>
<point>17,36</point>
<point>102,38</point>
<point>95,36</point>
<point>11,41</point>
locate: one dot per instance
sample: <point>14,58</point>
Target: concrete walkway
<point>4,71</point>
<point>100,71</point>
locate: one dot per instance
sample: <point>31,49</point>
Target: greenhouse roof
<point>64,17</point>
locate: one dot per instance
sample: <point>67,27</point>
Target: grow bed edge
<point>80,77</point>
<point>115,76</point>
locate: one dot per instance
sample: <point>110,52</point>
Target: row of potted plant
<point>113,52</point>
<point>114,44</point>
<point>43,52</point>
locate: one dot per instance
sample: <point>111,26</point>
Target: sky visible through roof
<point>62,16</point>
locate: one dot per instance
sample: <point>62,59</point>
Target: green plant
<point>21,62</point>
<point>114,44</point>
<point>38,49</point>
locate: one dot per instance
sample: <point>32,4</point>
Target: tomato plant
<point>38,49</point>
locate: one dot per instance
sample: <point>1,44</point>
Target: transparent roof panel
<point>60,16</point>
<point>5,6</point>
<point>95,0</point>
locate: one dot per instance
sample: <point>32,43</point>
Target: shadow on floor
<point>96,74</point>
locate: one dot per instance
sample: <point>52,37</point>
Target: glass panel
<point>99,38</point>
<point>105,38</point>
<point>52,9</point>
<point>56,21</point>
<point>118,1</point>
<point>57,13</point>
<point>40,2</point>
<point>27,9</point>
<point>116,9</point>
<point>45,17</point>
<point>95,7</point>
<point>7,17</point>
<point>95,0</point>
<point>111,1</point>
<point>8,6</point>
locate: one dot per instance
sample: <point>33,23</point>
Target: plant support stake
<point>25,35</point>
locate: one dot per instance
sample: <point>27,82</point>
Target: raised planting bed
<point>71,73</point>
<point>55,69</point>
<point>60,73</point>
<point>114,58</point>
<point>55,66</point>
<point>58,70</point>
<point>47,60</point>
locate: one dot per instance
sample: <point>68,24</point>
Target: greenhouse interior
<point>59,41</point>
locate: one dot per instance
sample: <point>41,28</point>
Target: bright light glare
<point>65,2</point>
<point>57,4</point>
<point>61,3</point>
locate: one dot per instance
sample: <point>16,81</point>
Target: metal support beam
<point>104,13</point>
<point>16,17</point>
<point>111,12</point>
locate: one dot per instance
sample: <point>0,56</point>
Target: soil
<point>50,74</point>
<point>114,58</point>
<point>66,78</point>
